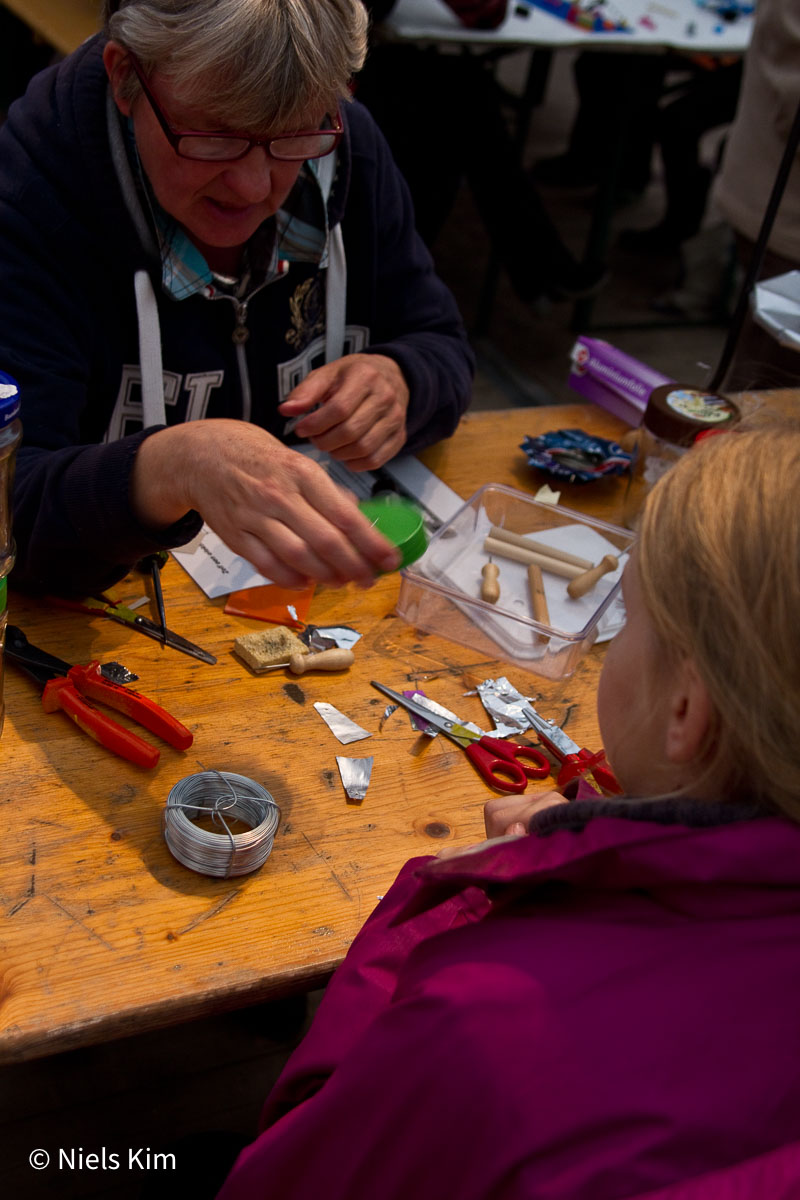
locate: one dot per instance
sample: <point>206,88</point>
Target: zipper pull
<point>240,332</point>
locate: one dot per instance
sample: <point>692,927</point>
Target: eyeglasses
<point>228,147</point>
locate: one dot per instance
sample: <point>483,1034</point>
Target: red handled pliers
<point>70,688</point>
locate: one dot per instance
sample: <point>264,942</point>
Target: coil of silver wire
<point>224,797</point>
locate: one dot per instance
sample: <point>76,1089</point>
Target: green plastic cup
<point>400,522</point>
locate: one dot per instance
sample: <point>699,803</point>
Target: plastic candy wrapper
<point>575,456</point>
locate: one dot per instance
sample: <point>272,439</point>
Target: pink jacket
<point>608,1008</point>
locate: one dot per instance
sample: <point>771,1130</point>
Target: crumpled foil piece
<point>355,773</point>
<point>504,703</point>
<point>340,725</point>
<point>326,637</point>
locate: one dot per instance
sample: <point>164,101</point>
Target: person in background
<point>767,108</point>
<point>600,1000</point>
<point>703,100</point>
<point>677,99</point>
<point>443,117</point>
<point>610,87</point>
<point>207,253</point>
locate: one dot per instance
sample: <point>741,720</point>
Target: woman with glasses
<point>206,253</point>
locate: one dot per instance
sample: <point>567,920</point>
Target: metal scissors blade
<point>166,637</point>
<point>101,606</point>
<point>452,728</point>
<point>506,766</point>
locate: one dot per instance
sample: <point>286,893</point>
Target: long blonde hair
<point>719,562</point>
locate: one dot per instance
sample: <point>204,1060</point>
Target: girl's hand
<point>506,818</point>
<point>510,815</point>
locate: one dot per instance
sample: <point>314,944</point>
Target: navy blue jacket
<point>69,248</point>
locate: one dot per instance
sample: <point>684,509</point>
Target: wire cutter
<point>70,688</point>
<point>506,766</point>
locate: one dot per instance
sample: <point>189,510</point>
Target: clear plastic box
<point>440,593</point>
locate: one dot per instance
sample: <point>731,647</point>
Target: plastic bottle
<point>10,436</point>
<point>675,416</point>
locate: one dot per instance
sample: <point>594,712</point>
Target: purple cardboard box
<point>612,379</point>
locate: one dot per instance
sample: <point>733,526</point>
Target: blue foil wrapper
<point>575,456</point>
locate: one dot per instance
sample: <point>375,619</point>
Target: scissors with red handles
<point>506,766</point>
<point>71,688</point>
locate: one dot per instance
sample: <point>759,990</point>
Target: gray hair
<point>251,64</point>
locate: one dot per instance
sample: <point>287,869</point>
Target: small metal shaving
<point>387,712</point>
<point>355,773</point>
<point>340,725</point>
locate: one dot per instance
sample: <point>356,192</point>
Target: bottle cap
<point>9,399</point>
<point>400,522</point>
<point>677,414</point>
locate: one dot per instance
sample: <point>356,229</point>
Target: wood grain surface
<point>102,932</point>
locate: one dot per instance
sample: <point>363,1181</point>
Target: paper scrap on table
<point>546,495</point>
<point>340,725</point>
<point>355,773</point>
<point>214,567</point>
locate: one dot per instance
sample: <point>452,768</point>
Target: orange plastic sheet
<point>272,603</point>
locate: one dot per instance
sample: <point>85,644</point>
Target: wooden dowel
<point>518,554</point>
<point>584,583</point>
<point>527,543</point>
<point>490,588</point>
<point>538,599</point>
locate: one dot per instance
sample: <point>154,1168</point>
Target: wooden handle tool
<point>584,583</point>
<point>324,660</point>
<point>527,543</point>
<point>490,588</point>
<point>557,566</point>
<point>538,599</point>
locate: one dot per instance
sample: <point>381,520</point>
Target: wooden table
<point>102,932</point>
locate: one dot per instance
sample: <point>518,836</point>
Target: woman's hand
<point>276,508</point>
<point>354,409</point>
